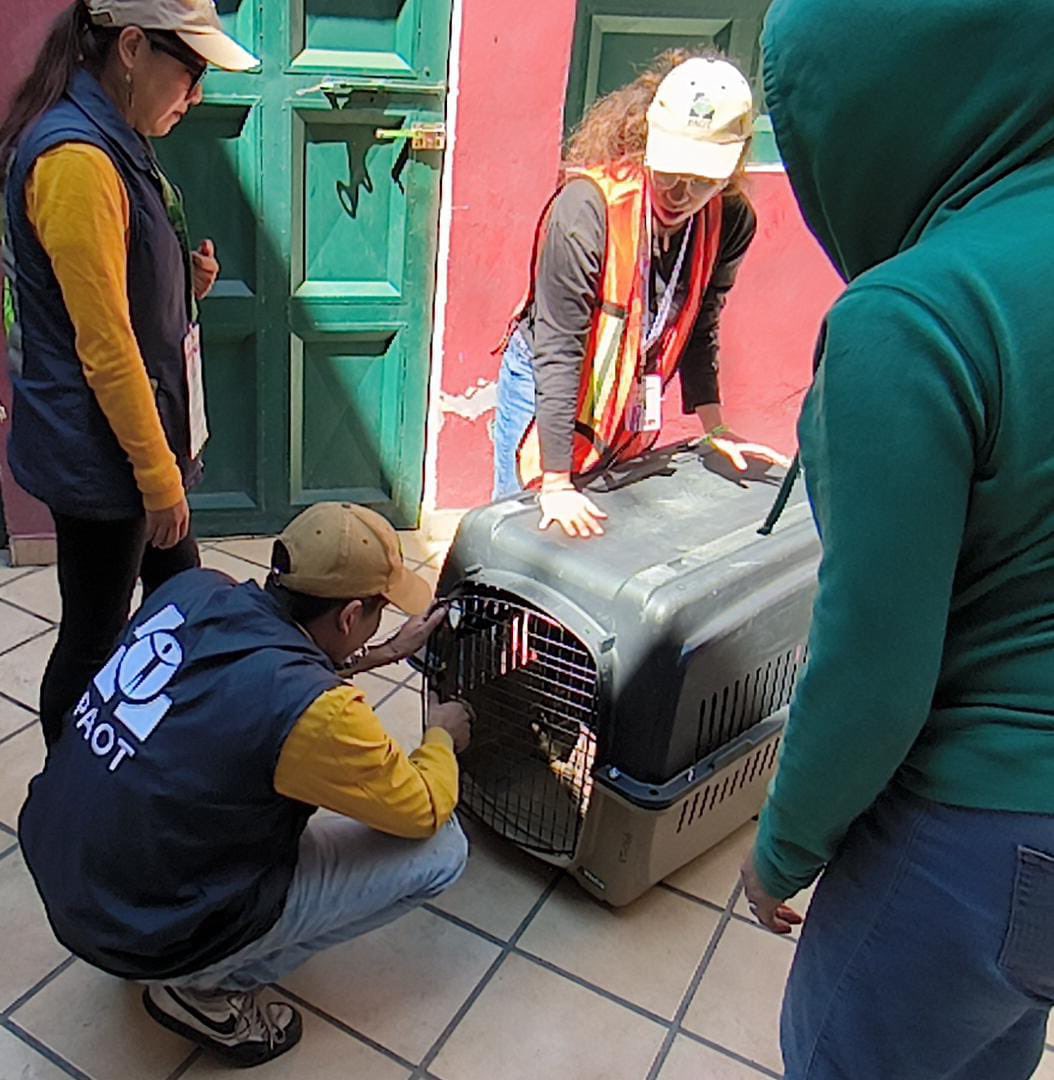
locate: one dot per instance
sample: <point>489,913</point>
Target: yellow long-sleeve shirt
<point>339,756</point>
<point>78,207</point>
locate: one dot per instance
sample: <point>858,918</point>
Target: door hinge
<point>421,136</point>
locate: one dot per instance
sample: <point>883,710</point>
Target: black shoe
<point>237,1026</point>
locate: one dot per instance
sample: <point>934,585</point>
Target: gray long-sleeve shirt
<point>568,284</point>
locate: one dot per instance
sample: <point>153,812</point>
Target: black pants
<point>98,564</point>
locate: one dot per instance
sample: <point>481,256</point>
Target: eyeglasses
<point>189,59</point>
<point>694,187</point>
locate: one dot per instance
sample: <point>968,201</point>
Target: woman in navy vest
<point>100,310</point>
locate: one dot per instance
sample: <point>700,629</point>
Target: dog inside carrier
<point>629,692</point>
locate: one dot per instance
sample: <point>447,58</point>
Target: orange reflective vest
<point>613,367</point>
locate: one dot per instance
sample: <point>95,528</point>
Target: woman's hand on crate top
<point>454,717</point>
<point>560,501</point>
<point>773,914</point>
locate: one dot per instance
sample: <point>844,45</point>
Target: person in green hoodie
<point>918,769</point>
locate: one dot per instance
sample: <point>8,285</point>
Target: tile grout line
<point>19,575</point>
<point>585,984</point>
<point>508,948</point>
<point>181,1069</point>
<point>19,731</point>
<point>699,900</point>
<point>53,623</point>
<point>347,1029</point>
<point>693,986</point>
<point>49,629</point>
<point>35,989</point>
<point>42,1049</point>
<point>14,701</point>
<point>514,949</point>
<point>756,1066</point>
<point>8,830</point>
<point>4,854</point>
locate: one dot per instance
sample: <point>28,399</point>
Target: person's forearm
<point>556,400</point>
<point>373,656</point>
<point>710,417</point>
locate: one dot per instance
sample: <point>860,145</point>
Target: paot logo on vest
<point>131,687</point>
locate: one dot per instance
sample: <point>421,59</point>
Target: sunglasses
<point>187,57</point>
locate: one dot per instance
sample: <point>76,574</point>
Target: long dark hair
<point>74,41</point>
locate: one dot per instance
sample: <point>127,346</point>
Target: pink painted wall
<point>505,169</point>
<point>22,29</point>
<point>514,61</point>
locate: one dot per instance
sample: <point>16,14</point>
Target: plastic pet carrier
<point>629,690</point>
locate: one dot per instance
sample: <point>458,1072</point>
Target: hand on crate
<point>576,514</point>
<point>736,450</point>
<point>413,635</point>
<point>773,914</point>
<point>454,717</point>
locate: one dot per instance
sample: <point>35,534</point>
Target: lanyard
<point>653,330</point>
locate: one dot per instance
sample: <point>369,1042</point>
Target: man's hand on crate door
<point>411,637</point>
<point>773,914</point>
<point>454,717</point>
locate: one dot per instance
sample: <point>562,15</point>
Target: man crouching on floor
<point>169,832</point>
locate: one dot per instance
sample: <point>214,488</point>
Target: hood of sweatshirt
<point>886,135</point>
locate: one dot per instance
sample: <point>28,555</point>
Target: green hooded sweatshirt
<point>919,138</point>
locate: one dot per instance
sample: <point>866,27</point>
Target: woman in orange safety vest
<point>633,259</point>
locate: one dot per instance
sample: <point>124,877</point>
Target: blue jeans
<point>928,952</point>
<point>514,414</point>
<point>349,880</point>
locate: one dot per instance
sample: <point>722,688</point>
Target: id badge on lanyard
<point>199,424</point>
<point>646,411</point>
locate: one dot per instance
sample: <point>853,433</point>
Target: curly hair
<point>615,129</point>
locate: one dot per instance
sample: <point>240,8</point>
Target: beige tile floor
<point>512,975</point>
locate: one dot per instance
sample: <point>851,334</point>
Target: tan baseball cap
<point>345,552</point>
<point>700,120</point>
<point>196,22</point>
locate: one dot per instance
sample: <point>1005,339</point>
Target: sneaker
<point>236,1025</point>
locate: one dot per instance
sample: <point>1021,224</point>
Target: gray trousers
<point>349,880</point>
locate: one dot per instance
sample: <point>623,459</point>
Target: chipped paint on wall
<point>475,402</point>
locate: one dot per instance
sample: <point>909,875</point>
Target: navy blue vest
<point>155,835</point>
<point>62,450</point>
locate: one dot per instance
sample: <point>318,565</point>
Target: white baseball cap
<point>195,22</point>
<point>700,119</point>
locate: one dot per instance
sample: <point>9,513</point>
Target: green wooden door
<point>317,337</point>
<point>616,39</point>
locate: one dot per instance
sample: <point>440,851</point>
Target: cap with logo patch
<point>700,120</point>
<point>195,22</point>
<point>341,551</point>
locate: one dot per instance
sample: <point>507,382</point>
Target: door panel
<point>317,336</point>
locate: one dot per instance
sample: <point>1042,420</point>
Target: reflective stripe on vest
<point>613,364</point>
